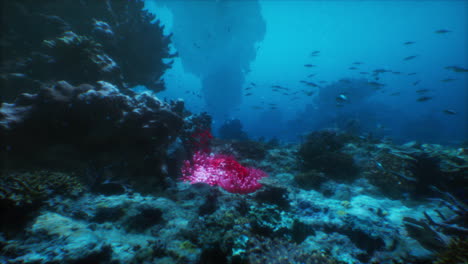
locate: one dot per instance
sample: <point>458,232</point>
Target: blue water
<point>269,42</point>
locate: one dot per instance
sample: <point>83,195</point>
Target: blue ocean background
<point>371,32</point>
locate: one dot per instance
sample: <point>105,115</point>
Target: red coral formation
<point>223,171</point>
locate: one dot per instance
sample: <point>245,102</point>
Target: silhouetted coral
<point>232,129</point>
<point>81,42</point>
<point>69,126</point>
<point>322,151</point>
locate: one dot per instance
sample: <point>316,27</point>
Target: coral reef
<point>221,170</point>
<point>322,152</point>
<point>412,168</point>
<point>22,193</point>
<point>73,127</point>
<point>232,129</point>
<point>80,42</point>
<point>338,222</point>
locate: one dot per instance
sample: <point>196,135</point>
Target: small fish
<point>442,31</point>
<point>248,88</point>
<point>448,80</point>
<point>309,93</point>
<point>322,81</point>
<point>416,83</point>
<point>378,71</point>
<point>253,84</point>
<point>248,94</point>
<point>276,86</point>
<point>341,98</point>
<point>309,65</point>
<point>358,63</point>
<point>379,165</point>
<point>409,57</point>
<point>310,84</point>
<point>424,98</point>
<point>408,43</point>
<point>352,68</point>
<point>456,69</point>
<point>411,73</point>
<point>449,112</point>
<point>311,75</point>
<point>314,53</point>
<point>376,84</point>
<point>396,72</point>
<point>422,91</point>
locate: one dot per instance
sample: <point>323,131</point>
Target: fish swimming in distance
<point>314,53</point>
<point>252,83</point>
<point>410,57</point>
<point>376,84</point>
<point>309,65</point>
<point>411,73</point>
<point>448,80</point>
<point>456,69</point>
<point>449,112</point>
<point>248,94</point>
<point>352,68</point>
<point>422,91</point>
<point>408,43</point>
<point>311,75</point>
<point>309,83</point>
<point>416,83</point>
<point>341,98</point>
<point>358,63</point>
<point>309,93</point>
<point>377,71</point>
<point>424,98</point>
<point>442,31</point>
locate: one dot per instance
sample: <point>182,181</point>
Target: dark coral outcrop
<point>71,127</point>
<point>323,152</point>
<point>80,42</point>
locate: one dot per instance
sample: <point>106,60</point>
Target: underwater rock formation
<point>232,129</point>
<point>322,152</point>
<point>80,42</point>
<point>65,126</point>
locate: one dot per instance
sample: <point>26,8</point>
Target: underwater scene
<point>233,131</point>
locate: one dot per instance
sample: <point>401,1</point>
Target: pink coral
<point>223,171</point>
